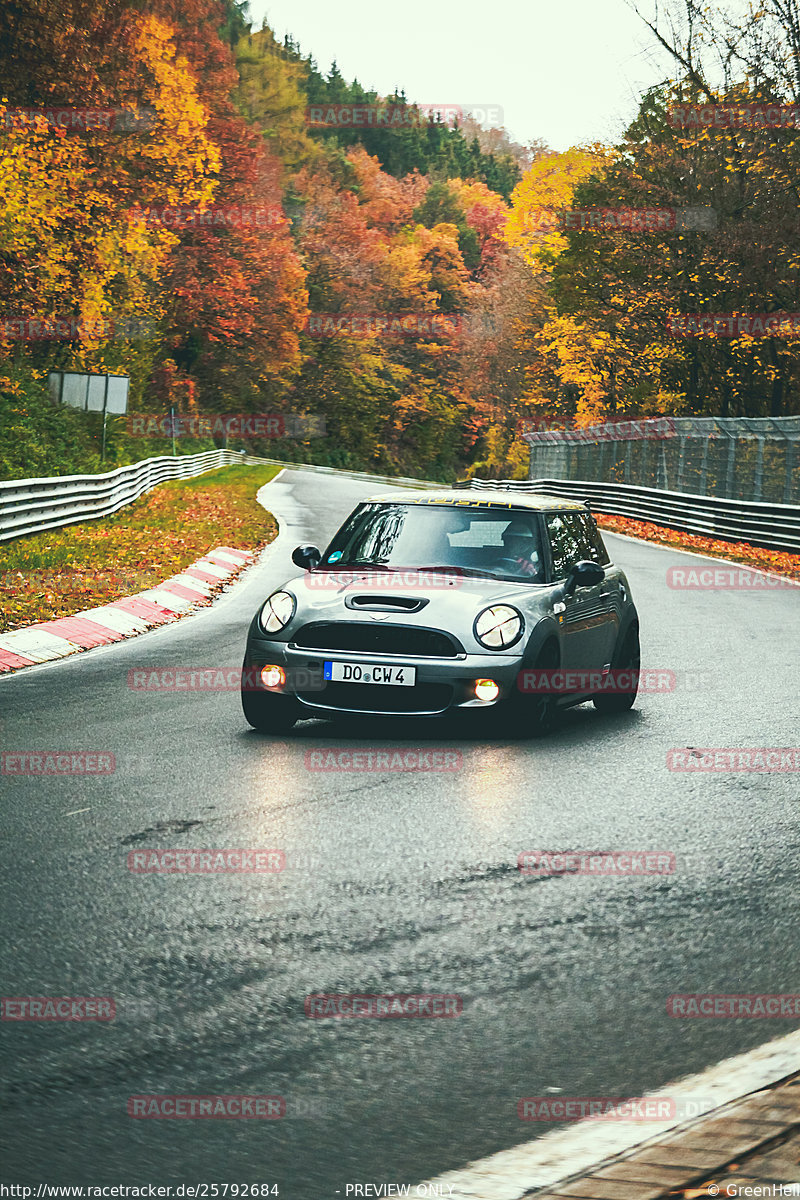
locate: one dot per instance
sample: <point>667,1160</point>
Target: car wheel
<point>627,657</point>
<point>269,714</point>
<point>537,712</point>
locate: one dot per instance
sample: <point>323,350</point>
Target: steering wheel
<point>512,562</point>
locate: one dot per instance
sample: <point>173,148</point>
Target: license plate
<point>342,672</point>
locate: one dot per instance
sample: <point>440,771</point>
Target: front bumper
<point>441,684</point>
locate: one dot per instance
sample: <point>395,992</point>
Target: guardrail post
<point>681,465</point>
<point>787,487</point>
<point>663,480</point>
<point>645,462</point>
<point>731,465</point>
<point>704,466</point>
<point>758,482</point>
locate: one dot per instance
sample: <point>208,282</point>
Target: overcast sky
<point>567,71</point>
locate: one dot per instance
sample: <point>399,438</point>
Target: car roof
<point>468,499</point>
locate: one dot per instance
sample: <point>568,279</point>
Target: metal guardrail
<point>774,526</point>
<point>366,476</point>
<point>733,458</point>
<point>34,505</point>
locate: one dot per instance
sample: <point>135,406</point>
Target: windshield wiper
<point>355,566</point>
<point>447,570</point>
<point>443,568</point>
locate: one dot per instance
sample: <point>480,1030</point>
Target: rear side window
<point>599,552</point>
<point>573,536</point>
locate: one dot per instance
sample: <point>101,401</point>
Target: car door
<point>613,592</point>
<point>589,615</point>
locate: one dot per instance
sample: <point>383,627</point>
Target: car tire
<point>627,657</point>
<point>269,714</point>
<point>536,714</point>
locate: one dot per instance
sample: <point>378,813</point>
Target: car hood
<point>450,602</point>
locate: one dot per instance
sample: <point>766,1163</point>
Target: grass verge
<point>777,562</point>
<point>59,573</point>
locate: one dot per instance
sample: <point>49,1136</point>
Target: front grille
<point>408,640</point>
<point>423,698</point>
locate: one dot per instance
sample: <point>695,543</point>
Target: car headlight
<point>498,627</point>
<point>277,611</point>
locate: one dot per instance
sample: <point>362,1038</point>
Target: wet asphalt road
<point>398,882</point>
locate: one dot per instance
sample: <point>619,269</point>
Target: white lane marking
<point>232,555</point>
<point>191,583</point>
<point>575,1150</point>
<point>37,644</point>
<point>115,619</point>
<point>75,812</point>
<point>709,558</point>
<point>222,559</point>
<point>212,568</point>
<point>168,600</point>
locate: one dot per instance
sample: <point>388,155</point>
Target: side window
<point>598,547</point>
<point>570,541</point>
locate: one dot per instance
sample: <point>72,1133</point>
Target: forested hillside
<point>228,225</point>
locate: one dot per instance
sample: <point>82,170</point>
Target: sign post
<point>105,414</point>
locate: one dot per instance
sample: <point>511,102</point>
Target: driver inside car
<point>521,547</point>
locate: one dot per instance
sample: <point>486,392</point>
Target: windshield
<point>500,543</point>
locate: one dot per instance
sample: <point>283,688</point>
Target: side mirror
<point>584,574</point>
<point>306,557</point>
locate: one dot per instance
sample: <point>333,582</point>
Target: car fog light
<point>486,689</point>
<point>273,677</point>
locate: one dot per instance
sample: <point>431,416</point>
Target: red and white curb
<point>125,617</point>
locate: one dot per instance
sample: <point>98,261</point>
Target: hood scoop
<point>386,604</point>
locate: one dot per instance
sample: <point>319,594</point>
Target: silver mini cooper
<point>428,602</point>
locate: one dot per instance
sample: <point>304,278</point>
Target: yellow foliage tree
<point>547,187</point>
